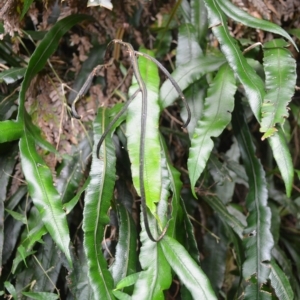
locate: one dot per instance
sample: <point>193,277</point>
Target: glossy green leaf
<point>156,275</point>
<point>225,180</point>
<point>175,186</point>
<point>164,205</point>
<point>35,131</point>
<point>35,35</point>
<point>285,264</point>
<point>237,212</point>
<point>113,112</point>
<point>125,258</point>
<point>283,159</point>
<point>68,207</point>
<point>97,202</point>
<point>17,216</point>
<point>11,289</point>
<point>10,131</point>
<point>253,85</point>
<point>295,32</point>
<point>152,157</point>
<point>23,253</point>
<point>241,16</point>
<point>232,163</point>
<point>216,116</point>
<point>258,241</point>
<point>188,47</point>
<point>186,75</point>
<point>26,6</point>
<point>199,20</point>
<point>40,295</point>
<point>121,296</point>
<point>195,95</point>
<point>280,69</point>
<point>44,268</point>
<point>253,292</point>
<point>12,75</point>
<point>280,283</point>
<point>228,218</point>
<point>33,233</point>
<point>187,270</point>
<point>37,174</point>
<point>189,235</point>
<point>128,281</point>
<point>44,195</point>
<point>185,11</point>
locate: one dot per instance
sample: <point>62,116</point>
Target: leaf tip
<point>268,132</point>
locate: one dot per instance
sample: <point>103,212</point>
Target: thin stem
<point>46,274</point>
<point>210,232</point>
<point>86,86</point>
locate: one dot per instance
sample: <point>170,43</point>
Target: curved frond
<point>280,70</point>
<point>216,116</point>
<point>12,75</point>
<point>253,84</point>
<point>241,16</point>
<point>187,269</point>
<point>199,20</point>
<point>10,131</point>
<point>283,159</point>
<point>125,259</point>
<point>280,282</point>
<point>40,182</point>
<point>156,275</point>
<point>188,47</point>
<point>187,74</point>
<point>175,186</point>
<point>258,242</point>
<point>95,215</point>
<point>225,215</point>
<point>151,156</point>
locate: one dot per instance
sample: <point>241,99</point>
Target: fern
<point>216,115</point>
<point>280,69</point>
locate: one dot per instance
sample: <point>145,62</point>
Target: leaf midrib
<point>43,187</point>
<point>96,246</point>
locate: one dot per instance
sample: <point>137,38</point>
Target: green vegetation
<point>149,193</point>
